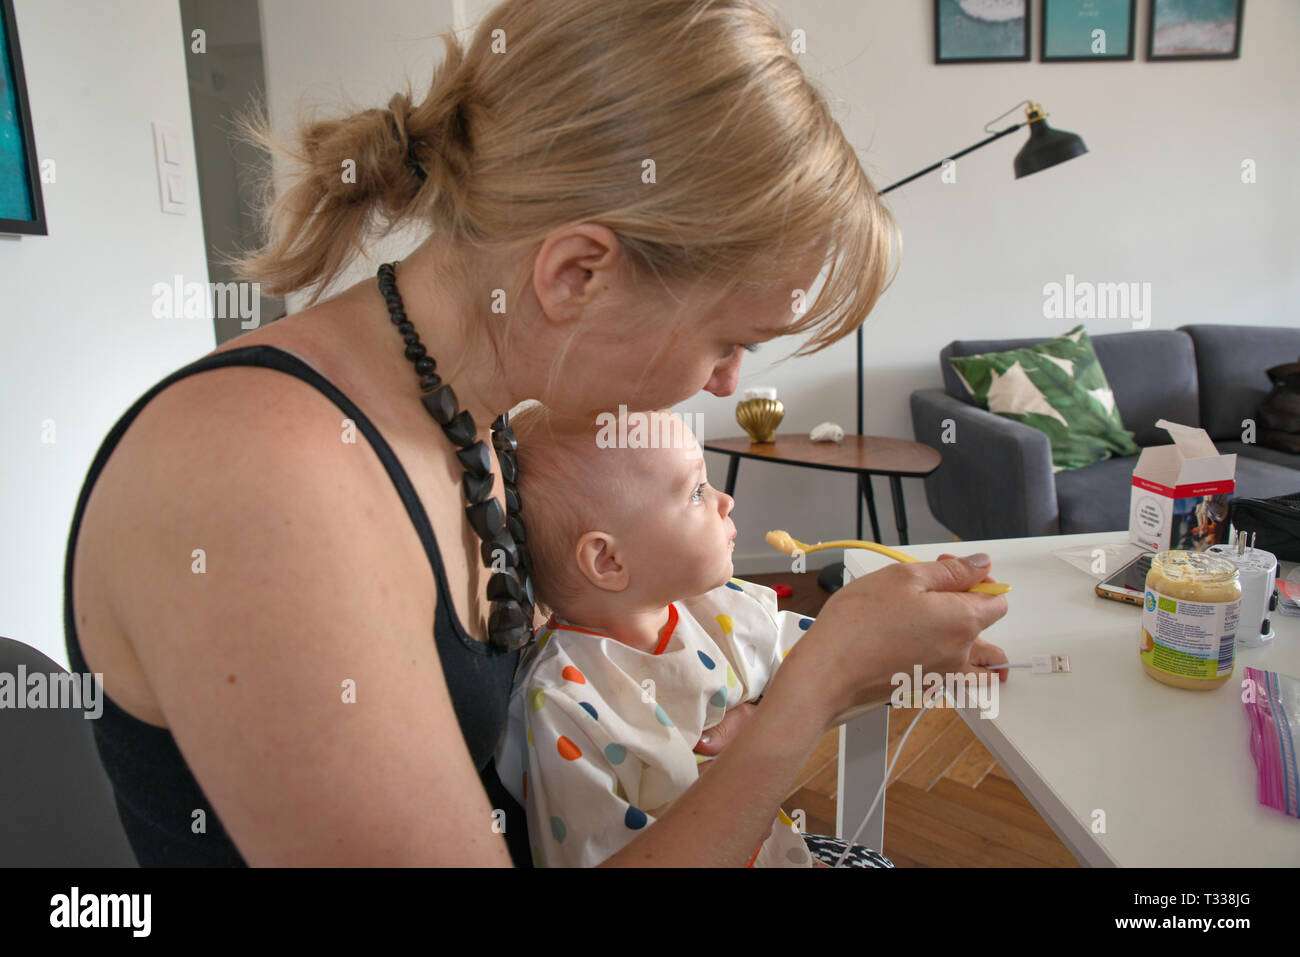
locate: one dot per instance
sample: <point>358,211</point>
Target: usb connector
<point>1050,664</point>
<point>1042,665</point>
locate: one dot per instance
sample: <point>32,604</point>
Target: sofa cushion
<point>1152,373</point>
<point>1096,499</point>
<point>1059,388</point>
<point>1264,454</point>
<point>1231,364</point>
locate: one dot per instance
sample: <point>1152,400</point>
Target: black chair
<point>56,803</point>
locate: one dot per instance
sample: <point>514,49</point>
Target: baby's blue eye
<point>697,495</point>
<point>752,347</point>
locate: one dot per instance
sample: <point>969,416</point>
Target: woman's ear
<point>600,563</point>
<point>574,266</point>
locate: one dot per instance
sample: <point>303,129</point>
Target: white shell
<point>827,432</point>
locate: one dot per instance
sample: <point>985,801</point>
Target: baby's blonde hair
<point>568,486</point>
<point>687,127</point>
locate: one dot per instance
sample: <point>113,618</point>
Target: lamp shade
<point>1047,147</point>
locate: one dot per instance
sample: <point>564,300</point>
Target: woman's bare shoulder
<point>160,458</point>
<point>242,404</point>
<point>277,600</point>
<point>233,443</point>
<point>215,462</point>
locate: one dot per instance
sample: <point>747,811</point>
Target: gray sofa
<point>996,478</point>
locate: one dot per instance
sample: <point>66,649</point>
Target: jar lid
<point>1184,566</point>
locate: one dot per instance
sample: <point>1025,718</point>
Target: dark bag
<point>1279,414</point>
<point>1274,521</point>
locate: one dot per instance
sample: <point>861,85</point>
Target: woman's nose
<point>725,377</point>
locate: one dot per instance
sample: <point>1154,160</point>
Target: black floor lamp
<point>1046,147</point>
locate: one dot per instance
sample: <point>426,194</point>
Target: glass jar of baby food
<point>1189,619</point>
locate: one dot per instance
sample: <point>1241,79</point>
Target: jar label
<point>1189,639</point>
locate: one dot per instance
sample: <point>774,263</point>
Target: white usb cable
<point>1038,664</point>
<point>880,793</point>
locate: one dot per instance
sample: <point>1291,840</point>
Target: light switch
<point>171,148</point>
<point>170,164</point>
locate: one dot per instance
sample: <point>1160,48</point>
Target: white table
<point>1171,769</point>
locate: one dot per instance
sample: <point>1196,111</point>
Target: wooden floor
<point>948,802</point>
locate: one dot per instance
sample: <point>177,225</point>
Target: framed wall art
<point>1195,29</point>
<point>22,208</point>
<point>981,31</point>
<point>1077,30</point>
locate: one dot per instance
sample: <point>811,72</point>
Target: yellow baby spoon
<point>783,542</point>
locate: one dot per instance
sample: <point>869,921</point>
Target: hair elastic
<point>411,161</point>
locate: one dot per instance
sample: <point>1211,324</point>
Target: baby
<point>650,638</point>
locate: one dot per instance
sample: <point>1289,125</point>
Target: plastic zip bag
<point>1099,561</point>
<point>1273,707</point>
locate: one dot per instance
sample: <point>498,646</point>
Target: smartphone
<point>1130,582</point>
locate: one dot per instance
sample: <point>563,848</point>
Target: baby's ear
<point>598,562</point>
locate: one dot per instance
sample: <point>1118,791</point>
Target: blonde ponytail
<point>687,127</point>
<point>344,174</point>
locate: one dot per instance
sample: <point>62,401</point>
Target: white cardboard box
<point>1181,492</point>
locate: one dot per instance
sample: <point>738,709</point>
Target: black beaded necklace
<point>510,589</point>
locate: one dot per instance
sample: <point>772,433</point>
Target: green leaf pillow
<point>1059,388</point>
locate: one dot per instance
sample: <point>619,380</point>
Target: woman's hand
<point>984,653</point>
<point>884,624</point>
<point>946,555</point>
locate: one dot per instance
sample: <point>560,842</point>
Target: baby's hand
<point>717,737</point>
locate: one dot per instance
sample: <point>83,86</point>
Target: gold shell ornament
<point>760,417</point>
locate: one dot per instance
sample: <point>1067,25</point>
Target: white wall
<point>79,342</point>
<point>332,53</point>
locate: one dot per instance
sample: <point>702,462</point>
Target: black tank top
<point>155,791</point>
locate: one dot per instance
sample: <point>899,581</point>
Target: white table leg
<point>1073,834</point>
<point>864,747</point>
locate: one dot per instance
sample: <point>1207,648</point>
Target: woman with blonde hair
<point>307,639</point>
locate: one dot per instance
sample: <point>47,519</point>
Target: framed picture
<point>1195,30</point>
<point>1079,30</point>
<point>22,208</point>
<point>981,31</point>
